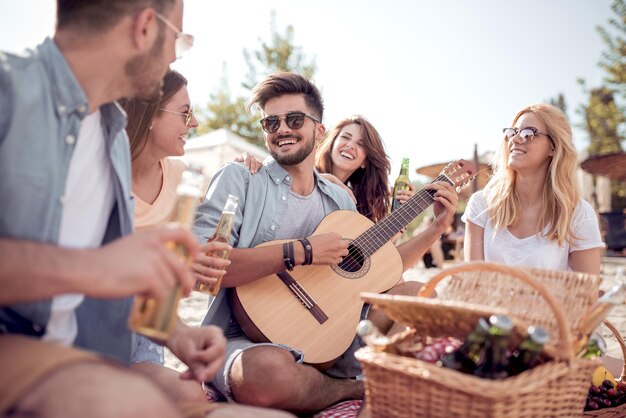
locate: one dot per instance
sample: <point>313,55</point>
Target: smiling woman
<point>530,213</point>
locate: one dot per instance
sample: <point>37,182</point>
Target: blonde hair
<point>560,195</point>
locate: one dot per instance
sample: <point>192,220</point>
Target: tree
<point>559,102</point>
<point>603,117</point>
<point>224,111</point>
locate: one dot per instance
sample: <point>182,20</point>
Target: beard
<point>298,156</point>
<point>145,74</point>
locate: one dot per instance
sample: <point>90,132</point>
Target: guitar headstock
<point>459,173</point>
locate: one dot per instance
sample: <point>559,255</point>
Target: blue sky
<point>435,77</point>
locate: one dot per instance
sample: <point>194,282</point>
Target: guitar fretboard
<point>378,235</point>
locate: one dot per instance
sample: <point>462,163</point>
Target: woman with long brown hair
<point>353,156</point>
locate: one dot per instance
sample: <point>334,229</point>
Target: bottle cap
<point>502,322</point>
<point>365,328</point>
<point>538,335</point>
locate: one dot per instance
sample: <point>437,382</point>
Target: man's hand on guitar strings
<point>329,248</point>
<point>446,203</point>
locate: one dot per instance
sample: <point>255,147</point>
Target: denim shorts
<point>346,366</point>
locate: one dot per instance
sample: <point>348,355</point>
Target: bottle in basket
<point>614,297</point>
<point>596,347</point>
<point>495,360</point>
<point>372,336</point>
<point>528,354</point>
<point>156,318</point>
<point>468,356</point>
<point>222,234</point>
<point>401,183</point>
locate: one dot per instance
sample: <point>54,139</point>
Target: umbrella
<point>612,166</point>
<point>433,170</point>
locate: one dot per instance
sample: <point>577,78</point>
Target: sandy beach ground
<point>192,309</point>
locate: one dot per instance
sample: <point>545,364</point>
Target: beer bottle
<point>613,297</point>
<point>222,234</point>
<point>468,356</point>
<point>401,183</point>
<point>495,361</point>
<point>527,354</point>
<point>372,336</point>
<point>156,318</point>
<point>596,347</point>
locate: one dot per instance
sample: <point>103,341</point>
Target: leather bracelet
<point>287,260</point>
<point>308,251</point>
<point>292,255</point>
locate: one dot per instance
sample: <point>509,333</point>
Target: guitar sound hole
<point>354,261</point>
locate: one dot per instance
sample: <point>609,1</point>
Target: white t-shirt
<point>87,204</point>
<point>500,246</point>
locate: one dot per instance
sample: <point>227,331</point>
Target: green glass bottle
<point>528,354</point>
<point>468,356</point>
<point>596,347</point>
<point>401,183</point>
<point>495,361</point>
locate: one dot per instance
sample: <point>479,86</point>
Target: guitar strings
<point>368,242</point>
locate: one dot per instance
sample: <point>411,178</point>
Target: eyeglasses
<point>526,135</point>
<point>294,120</point>
<point>184,41</point>
<point>188,114</point>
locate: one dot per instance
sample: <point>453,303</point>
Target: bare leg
<point>170,382</point>
<point>269,376</point>
<point>437,253</point>
<point>95,391</point>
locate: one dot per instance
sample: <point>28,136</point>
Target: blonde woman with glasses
<point>531,213</point>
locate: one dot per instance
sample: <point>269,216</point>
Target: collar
<point>67,94</point>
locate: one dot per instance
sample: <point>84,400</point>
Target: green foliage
<point>226,111</point>
<point>614,58</point>
<point>602,121</point>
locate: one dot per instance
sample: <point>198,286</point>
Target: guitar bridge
<point>303,296</point>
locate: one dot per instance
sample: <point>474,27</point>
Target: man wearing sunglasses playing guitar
<point>286,200</point>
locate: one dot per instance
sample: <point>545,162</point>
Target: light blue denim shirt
<point>259,213</point>
<point>41,108</point>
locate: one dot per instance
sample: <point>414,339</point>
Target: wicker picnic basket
<point>399,386</point>
<point>618,411</point>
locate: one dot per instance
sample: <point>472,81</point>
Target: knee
<point>262,378</point>
<point>99,390</point>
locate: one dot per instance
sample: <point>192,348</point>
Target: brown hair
<point>140,114</point>
<point>99,15</point>
<point>281,83</point>
<point>370,185</point>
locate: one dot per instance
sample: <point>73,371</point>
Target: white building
<point>219,147</point>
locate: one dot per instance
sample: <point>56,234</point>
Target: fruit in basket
<point>606,395</point>
<point>600,374</point>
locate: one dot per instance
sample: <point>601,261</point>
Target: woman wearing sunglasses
<point>158,131</point>
<point>531,213</point>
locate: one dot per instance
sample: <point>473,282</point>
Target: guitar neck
<point>378,235</point>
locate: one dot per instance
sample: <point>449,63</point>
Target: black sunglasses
<point>294,120</point>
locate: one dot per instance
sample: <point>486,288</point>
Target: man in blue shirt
<point>286,200</point>
<point>68,275</point>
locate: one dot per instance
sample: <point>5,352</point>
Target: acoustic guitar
<point>316,308</point>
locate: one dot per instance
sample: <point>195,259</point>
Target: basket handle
<point>620,341</point>
<point>565,344</point>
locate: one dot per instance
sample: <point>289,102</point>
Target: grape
<point>592,405</point>
<point>594,389</point>
<point>607,384</point>
<point>612,393</point>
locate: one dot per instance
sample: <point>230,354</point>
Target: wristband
<point>287,258</point>
<point>308,251</point>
